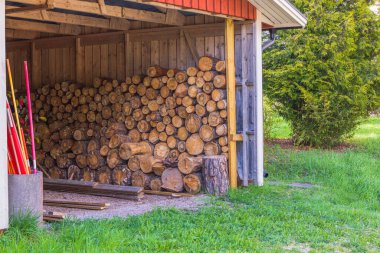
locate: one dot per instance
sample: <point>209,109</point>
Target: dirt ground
<point>121,207</point>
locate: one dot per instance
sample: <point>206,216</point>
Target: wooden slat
<point>52,77</point>
<point>36,67</point>
<point>155,53</point>
<point>88,64</point>
<point>120,61</point>
<point>96,61</point>
<point>112,61</point>
<point>128,55</point>
<point>79,61</point>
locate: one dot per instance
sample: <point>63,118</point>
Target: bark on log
<point>215,174</point>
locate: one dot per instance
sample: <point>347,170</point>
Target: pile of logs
<point>138,132</point>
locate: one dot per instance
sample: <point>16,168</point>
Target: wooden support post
<point>4,219</point>
<point>259,114</point>
<point>231,99</point>
<point>79,61</point>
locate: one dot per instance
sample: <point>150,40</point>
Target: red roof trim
<point>233,8</point>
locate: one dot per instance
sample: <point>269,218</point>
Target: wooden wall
<point>117,55</point>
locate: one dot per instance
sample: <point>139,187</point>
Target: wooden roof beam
<point>73,19</point>
<point>66,29</point>
<point>114,11</point>
<point>21,34</point>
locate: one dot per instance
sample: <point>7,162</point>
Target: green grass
<point>341,214</point>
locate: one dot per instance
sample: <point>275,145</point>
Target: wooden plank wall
<point>105,55</point>
<point>16,57</point>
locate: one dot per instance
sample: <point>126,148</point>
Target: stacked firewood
<point>140,132</point>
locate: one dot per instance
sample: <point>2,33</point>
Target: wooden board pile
<point>137,132</point>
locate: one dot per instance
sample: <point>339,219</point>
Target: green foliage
<point>324,79</point>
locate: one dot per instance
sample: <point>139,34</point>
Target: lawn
<point>340,214</point>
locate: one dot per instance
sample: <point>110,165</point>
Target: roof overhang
<point>280,14</point>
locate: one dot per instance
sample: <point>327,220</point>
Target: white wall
<point>3,136</point>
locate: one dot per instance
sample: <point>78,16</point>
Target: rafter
<point>113,11</point>
<point>43,27</point>
<point>73,19</point>
<point>21,34</point>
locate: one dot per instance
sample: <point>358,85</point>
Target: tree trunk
<point>215,174</point>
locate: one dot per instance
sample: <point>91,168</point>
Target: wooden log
<point>220,66</point>
<point>206,63</point>
<point>156,71</point>
<point>193,123</point>
<point>173,155</point>
<point>208,76</point>
<point>181,146</point>
<point>141,179</point>
<point>103,175</point>
<point>214,119</point>
<point>182,133</point>
<point>113,158</point>
<point>220,81</point>
<point>200,82</point>
<point>155,184</point>
<point>218,94</point>
<point>200,110</point>
<point>73,173</point>
<point>66,145</point>
<point>104,150</point>
<point>207,133</point>
<point>172,180</point>
<point>215,175</point>
<point>211,106</point>
<point>193,183</point>
<point>172,84</point>
<point>203,98</point>
<point>161,150</point>
<point>181,77</point>
<point>148,162</point>
<point>134,135</point>
<point>188,164</point>
<point>80,135</point>
<point>181,90</point>
<point>118,139</point>
<point>194,145</point>
<point>212,148</point>
<point>172,72</point>
<point>172,142</point>
<point>192,71</point>
<point>134,163</point>
<point>221,130</point>
<point>57,173</point>
<point>95,160</point>
<point>208,87</point>
<point>64,161</point>
<point>121,175</point>
<point>127,150</point>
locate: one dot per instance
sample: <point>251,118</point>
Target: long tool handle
<point>30,116</point>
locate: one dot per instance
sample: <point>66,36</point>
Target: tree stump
<point>215,175</point>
